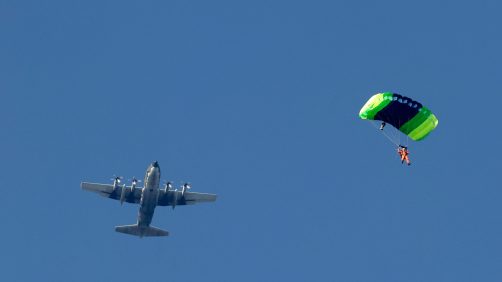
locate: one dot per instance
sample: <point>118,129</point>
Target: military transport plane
<point>148,197</point>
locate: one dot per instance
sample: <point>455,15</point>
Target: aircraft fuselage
<point>149,195</point>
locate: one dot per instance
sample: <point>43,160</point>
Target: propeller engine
<point>168,186</point>
<point>134,182</point>
<point>116,180</point>
<point>186,186</point>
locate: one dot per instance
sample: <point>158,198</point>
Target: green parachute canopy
<point>408,116</point>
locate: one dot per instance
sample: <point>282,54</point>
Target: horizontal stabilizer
<point>141,231</point>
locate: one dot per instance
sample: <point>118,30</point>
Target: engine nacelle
<point>175,198</point>
<point>116,181</point>
<point>185,187</point>
<point>168,187</point>
<point>122,194</point>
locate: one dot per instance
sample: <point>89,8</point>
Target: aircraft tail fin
<point>141,231</point>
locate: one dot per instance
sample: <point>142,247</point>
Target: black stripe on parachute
<point>399,111</point>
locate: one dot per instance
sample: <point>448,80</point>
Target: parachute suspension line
<point>394,134</point>
<point>406,138</point>
<point>385,134</point>
<point>388,137</point>
<point>399,135</point>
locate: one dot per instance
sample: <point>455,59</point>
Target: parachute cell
<point>408,116</point>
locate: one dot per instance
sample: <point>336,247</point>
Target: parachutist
<point>403,153</point>
<point>382,125</point>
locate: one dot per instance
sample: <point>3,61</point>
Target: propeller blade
<point>135,180</point>
<point>117,178</point>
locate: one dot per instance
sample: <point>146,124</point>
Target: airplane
<point>148,197</point>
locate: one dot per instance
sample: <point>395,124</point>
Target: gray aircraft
<point>148,197</point>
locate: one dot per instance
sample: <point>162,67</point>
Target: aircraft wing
<point>175,198</point>
<point>106,190</point>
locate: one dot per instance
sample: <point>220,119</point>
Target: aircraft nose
<point>155,164</point>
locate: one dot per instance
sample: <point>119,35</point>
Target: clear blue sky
<point>258,102</point>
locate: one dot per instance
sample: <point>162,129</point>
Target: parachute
<point>406,115</point>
